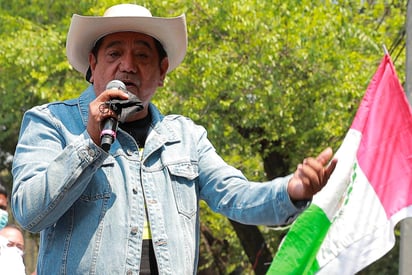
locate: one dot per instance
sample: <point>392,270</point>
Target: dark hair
<point>94,52</point>
<point>160,50</point>
<point>3,190</point>
<point>159,47</point>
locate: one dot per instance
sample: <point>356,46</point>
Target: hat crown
<point>124,10</point>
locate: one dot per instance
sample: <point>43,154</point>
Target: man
<point>4,205</point>
<point>11,251</point>
<point>135,208</point>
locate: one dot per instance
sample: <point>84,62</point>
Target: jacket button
<point>91,152</point>
<point>134,230</point>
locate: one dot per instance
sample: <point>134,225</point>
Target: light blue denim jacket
<point>88,205</point>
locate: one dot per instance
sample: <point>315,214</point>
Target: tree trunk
<point>254,245</point>
<point>275,164</point>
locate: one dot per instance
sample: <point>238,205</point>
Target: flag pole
<point>385,50</point>
<point>405,251</point>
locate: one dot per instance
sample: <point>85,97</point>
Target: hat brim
<point>84,31</point>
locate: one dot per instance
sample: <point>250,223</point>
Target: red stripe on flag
<point>385,153</point>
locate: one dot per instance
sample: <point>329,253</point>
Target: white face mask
<point>15,250</point>
<point>4,218</point>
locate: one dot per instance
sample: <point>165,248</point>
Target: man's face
<point>3,202</point>
<point>14,236</point>
<point>132,58</point>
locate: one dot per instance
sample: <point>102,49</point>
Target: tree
<point>282,78</point>
<point>33,68</point>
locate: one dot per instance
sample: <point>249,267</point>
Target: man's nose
<point>128,64</point>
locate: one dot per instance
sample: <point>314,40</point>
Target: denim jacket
<point>89,205</point>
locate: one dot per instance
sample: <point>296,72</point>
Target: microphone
<point>108,134</point>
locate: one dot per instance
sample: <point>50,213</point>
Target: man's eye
<point>114,54</point>
<point>142,55</point>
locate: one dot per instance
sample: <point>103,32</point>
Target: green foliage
<point>258,70</point>
<point>261,76</point>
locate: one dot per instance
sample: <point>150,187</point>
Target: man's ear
<point>164,65</point>
<point>92,66</point>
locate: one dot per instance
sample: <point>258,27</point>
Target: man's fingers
<point>310,176</point>
<point>325,156</point>
<point>331,167</point>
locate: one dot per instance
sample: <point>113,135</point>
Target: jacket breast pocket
<point>184,178</point>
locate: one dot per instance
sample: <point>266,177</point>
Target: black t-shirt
<point>138,129</point>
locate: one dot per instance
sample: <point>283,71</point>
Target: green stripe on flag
<point>297,254</point>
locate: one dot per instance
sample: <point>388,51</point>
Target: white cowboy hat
<point>85,31</point>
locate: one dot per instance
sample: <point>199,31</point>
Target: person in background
<point>4,205</point>
<point>133,207</point>
<point>11,250</point>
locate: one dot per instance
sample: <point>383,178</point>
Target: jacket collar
<point>84,100</point>
<point>162,132</point>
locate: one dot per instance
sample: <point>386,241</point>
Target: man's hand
<point>99,113</point>
<point>311,176</point>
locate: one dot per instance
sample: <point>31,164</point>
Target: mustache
<point>129,79</point>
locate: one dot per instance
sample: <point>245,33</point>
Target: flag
<point>351,221</point>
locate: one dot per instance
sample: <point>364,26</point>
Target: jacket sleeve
<point>49,175</point>
<point>229,192</point>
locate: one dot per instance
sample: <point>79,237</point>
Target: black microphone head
<point>116,85</point>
